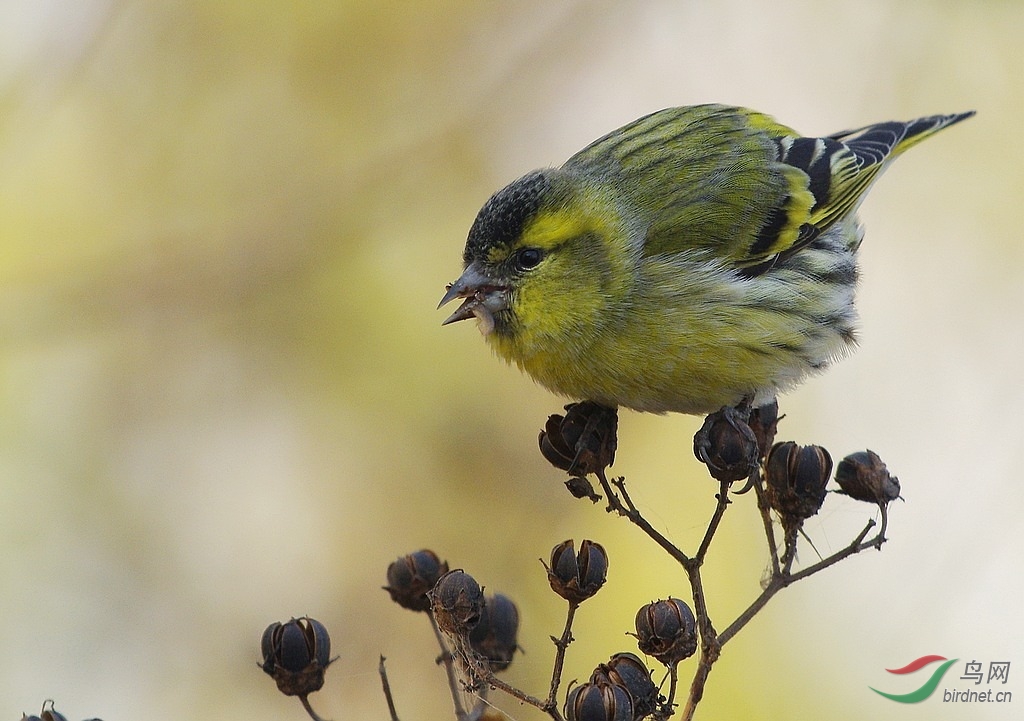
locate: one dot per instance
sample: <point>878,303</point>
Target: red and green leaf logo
<point>927,688</point>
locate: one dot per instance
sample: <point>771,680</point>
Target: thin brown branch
<point>482,672</point>
<point>857,545</point>
<point>448,660</point>
<point>723,503</point>
<point>624,507</point>
<point>561,644</point>
<point>700,608</point>
<point>304,699</point>
<point>673,686</point>
<point>766,520</point>
<point>387,689</point>
<point>782,574</point>
<point>700,679</point>
<point>782,579</point>
<point>790,534</point>
<point>710,644</point>
<point>776,584</point>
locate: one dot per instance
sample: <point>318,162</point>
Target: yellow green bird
<point>696,258</point>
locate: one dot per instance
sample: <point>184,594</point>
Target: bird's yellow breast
<point>688,335</point>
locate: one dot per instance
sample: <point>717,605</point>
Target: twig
<point>309,709</point>
<point>781,579</point>
<point>479,709</point>
<point>667,709</point>
<point>624,507</point>
<point>766,520</point>
<point>782,573</point>
<point>481,672</point>
<point>710,643</point>
<point>446,658</point>
<point>700,679</point>
<point>387,689</point>
<point>708,636</point>
<point>561,644</point>
<point>716,518</point>
<point>857,545</point>
<point>783,558</point>
<point>790,533</point>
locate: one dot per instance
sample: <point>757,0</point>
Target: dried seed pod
<point>47,714</point>
<point>494,636</point>
<point>553,446</point>
<point>411,577</point>
<point>864,477</point>
<point>598,702</point>
<point>628,671</point>
<point>666,630</point>
<point>577,577</point>
<point>580,487</point>
<point>727,446</point>
<point>795,478</point>
<point>457,602</point>
<point>583,440</point>
<point>296,654</point>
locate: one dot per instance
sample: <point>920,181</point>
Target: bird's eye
<point>528,258</point>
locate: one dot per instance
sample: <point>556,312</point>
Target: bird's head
<point>538,261</point>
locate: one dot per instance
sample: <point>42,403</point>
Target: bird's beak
<point>483,298</point>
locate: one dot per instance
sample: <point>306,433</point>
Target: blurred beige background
<point>227,399</point>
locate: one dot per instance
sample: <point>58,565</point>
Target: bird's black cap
<point>502,219</point>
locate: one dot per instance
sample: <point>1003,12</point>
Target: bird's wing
<point>736,184</point>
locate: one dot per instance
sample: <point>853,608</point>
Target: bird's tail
<point>884,141</point>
